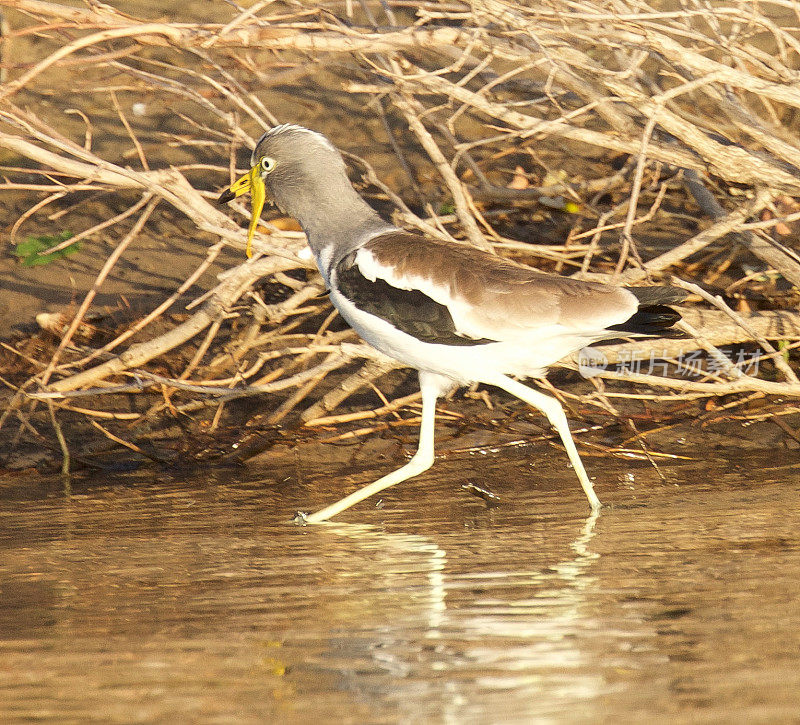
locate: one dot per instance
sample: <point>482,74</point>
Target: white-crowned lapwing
<point>457,314</point>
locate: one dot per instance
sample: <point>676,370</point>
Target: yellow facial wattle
<point>253,183</point>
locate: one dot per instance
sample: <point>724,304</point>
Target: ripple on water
<point>138,599</point>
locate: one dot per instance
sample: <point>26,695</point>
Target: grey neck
<point>337,225</point>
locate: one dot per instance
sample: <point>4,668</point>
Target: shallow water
<point>146,600</point>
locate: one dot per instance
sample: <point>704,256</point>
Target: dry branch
<point>697,104</point>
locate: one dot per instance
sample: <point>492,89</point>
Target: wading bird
<point>457,314</point>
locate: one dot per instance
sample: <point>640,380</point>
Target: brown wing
<point>408,310</point>
<point>489,297</point>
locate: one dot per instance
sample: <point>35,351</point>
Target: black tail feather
<point>652,320</point>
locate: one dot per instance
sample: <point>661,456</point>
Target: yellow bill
<point>253,183</point>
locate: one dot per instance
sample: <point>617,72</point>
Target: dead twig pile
<point>608,139</point>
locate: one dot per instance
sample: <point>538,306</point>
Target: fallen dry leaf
<point>286,224</point>
<point>780,228</point>
<point>520,181</point>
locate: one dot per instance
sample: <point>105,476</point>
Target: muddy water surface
<point>154,600</point>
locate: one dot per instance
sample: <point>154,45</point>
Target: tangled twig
<point>520,111</point>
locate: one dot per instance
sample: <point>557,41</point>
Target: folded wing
<point>449,293</point>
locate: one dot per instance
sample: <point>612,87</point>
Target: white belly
<point>462,363</point>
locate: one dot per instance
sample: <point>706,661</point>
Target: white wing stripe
<point>372,270</point>
<point>494,318</point>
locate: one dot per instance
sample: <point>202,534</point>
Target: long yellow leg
<point>431,386</point>
<point>555,414</point>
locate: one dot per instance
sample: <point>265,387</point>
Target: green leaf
<point>29,250</point>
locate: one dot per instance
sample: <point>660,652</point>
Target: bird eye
<point>267,164</point>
